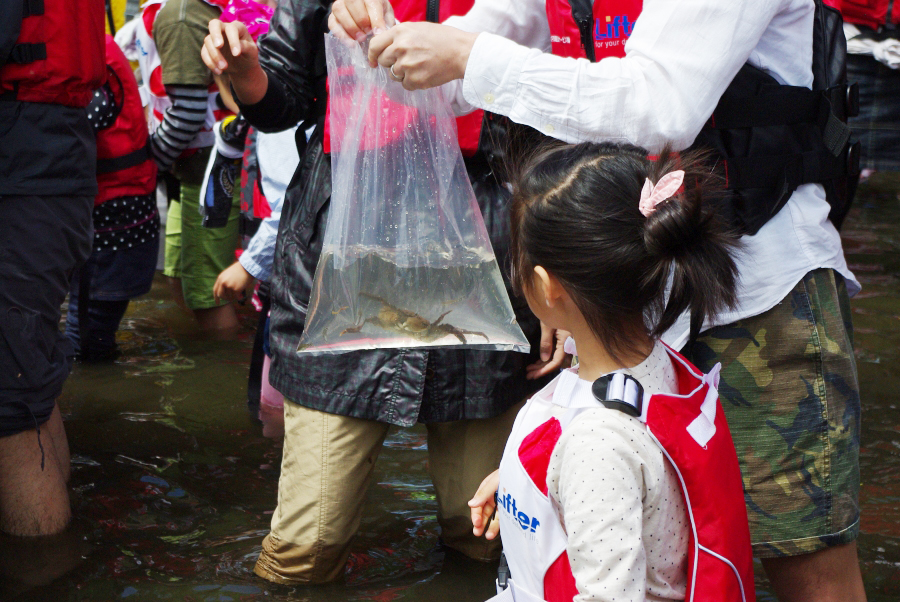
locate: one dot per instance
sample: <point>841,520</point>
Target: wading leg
<point>325,473</point>
<point>35,501</point>
<point>460,455</point>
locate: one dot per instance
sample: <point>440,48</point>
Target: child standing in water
<point>620,480</point>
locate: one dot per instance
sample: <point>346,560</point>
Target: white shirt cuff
<point>253,268</point>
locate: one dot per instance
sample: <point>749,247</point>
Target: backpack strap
<point>23,54</point>
<point>27,53</point>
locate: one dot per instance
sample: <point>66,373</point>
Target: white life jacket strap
<point>703,427</point>
<point>621,392</point>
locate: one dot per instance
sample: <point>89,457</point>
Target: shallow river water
<point>174,480</point>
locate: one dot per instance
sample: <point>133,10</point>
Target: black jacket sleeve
<point>292,54</point>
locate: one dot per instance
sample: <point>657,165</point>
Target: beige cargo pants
<point>327,468</point>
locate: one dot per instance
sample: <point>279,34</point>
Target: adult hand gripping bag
<point>406,260</point>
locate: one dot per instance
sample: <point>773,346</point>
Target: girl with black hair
<point>594,491</point>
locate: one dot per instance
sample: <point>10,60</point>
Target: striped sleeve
<point>181,123</point>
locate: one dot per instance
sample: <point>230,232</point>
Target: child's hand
<point>553,356</point>
<point>483,507</point>
<point>229,49</point>
<point>233,284</point>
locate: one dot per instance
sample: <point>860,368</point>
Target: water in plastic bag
<point>406,260</point>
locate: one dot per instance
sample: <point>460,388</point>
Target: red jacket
<point>59,55</point>
<point>124,167</point>
<point>869,13</point>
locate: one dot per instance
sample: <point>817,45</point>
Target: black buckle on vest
<point>503,573</point>
<point>27,53</point>
<point>583,13</point>
<point>619,392</point>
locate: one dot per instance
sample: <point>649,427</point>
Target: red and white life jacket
<point>870,13</point>
<point>468,127</point>
<point>611,24</point>
<point>58,57</point>
<point>691,430</point>
<point>153,90</point>
<point>124,165</point>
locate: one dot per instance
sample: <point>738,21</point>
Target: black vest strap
<point>125,161</point>
<point>27,53</point>
<point>32,8</point>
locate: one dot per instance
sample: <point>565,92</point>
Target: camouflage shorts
<point>791,394</point>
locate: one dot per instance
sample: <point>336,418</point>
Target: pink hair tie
<point>665,189</point>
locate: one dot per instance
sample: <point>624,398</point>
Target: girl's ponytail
<point>576,212</point>
<point>690,245</point>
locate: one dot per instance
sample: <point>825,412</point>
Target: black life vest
<point>768,138</point>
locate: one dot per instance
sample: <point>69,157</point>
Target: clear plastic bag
<point>406,260</point>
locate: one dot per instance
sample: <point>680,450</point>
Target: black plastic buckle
<point>600,389</point>
<point>503,572</point>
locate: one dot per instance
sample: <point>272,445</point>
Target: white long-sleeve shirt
<point>278,159</point>
<point>680,58</point>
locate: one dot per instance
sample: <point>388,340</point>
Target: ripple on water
<point>174,483</point>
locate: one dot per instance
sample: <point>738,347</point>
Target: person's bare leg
<point>177,293</point>
<point>829,575</point>
<point>54,426</point>
<point>34,501</point>
<point>30,562</point>
<point>223,317</point>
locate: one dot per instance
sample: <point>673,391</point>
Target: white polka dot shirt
<point>620,501</point>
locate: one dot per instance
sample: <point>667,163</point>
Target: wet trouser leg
<point>460,455</point>
<point>42,241</point>
<point>103,319</point>
<point>327,468</point>
<point>325,471</point>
